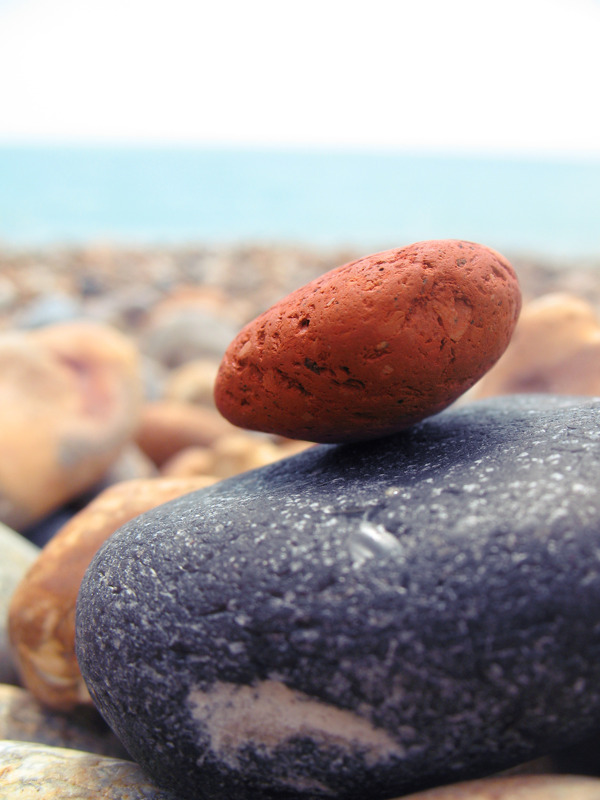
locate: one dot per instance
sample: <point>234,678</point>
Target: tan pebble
<point>70,398</point>
<point>291,447</point>
<point>555,349</point>
<point>527,787</point>
<point>229,456</point>
<point>35,771</point>
<point>190,296</point>
<point>193,382</point>
<point>241,452</point>
<point>168,427</point>
<point>189,461</point>
<point>42,611</point>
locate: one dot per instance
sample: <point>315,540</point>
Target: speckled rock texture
<point>373,346</point>
<point>24,719</point>
<point>41,618</point>
<point>35,771</point>
<point>538,787</point>
<point>365,619</point>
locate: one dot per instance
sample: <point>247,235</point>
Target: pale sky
<point>513,76</point>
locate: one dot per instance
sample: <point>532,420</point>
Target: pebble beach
<point>108,358</point>
<point>257,274</point>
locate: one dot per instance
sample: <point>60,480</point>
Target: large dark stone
<point>361,620</point>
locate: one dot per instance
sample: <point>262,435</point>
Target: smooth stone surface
<point>42,610</point>
<point>363,619</point>
<point>24,719</point>
<point>193,382</point>
<point>539,787</point>
<point>555,349</point>
<point>34,771</point>
<point>373,346</point>
<point>18,555</point>
<point>192,323</point>
<point>69,402</point>
<point>229,456</point>
<point>166,427</point>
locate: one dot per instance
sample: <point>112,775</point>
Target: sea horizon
<point>166,195</point>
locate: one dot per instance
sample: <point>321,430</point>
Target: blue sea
<point>168,195</point>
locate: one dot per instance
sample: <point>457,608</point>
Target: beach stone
<point>365,619</point>
<point>18,554</point>
<point>154,376</point>
<point>189,461</point>
<point>42,611</point>
<point>125,307</point>
<point>166,427</point>
<point>31,771</point>
<point>49,309</point>
<point>229,456</point>
<point>191,323</point>
<point>235,454</point>
<point>193,382</point>
<point>131,464</point>
<point>24,719</point>
<point>530,787</point>
<point>69,402</point>
<point>555,349</point>
<point>373,346</point>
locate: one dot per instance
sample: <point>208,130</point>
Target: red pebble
<point>373,346</point>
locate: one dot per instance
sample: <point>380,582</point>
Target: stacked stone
<point>409,604</point>
<point>403,610</point>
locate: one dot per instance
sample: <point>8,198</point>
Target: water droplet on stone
<point>372,541</point>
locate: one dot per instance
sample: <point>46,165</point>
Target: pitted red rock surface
<point>373,346</point>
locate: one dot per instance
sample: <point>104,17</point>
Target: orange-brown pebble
<point>70,398</point>
<point>42,610</point>
<point>373,346</point>
<point>555,349</point>
<point>167,427</point>
<point>525,787</point>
